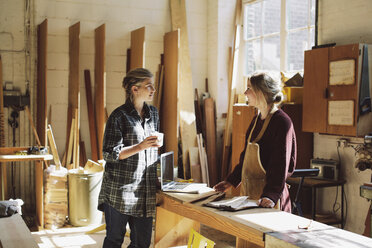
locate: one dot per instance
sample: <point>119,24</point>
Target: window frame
<point>283,33</point>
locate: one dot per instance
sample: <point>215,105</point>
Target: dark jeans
<point>116,222</point>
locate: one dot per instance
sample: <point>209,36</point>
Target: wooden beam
<point>210,130</point>
<point>53,147</point>
<point>137,48</point>
<point>100,85</point>
<point>168,115</point>
<point>3,183</point>
<point>231,88</point>
<point>186,98</point>
<point>41,102</point>
<point>73,84</point>
<point>91,118</point>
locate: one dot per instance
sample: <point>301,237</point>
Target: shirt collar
<point>130,108</point>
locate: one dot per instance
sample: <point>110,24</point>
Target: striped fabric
<point>129,185</point>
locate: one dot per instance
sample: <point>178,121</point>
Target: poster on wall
<point>341,113</point>
<point>342,72</point>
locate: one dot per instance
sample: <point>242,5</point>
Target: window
<point>276,34</point>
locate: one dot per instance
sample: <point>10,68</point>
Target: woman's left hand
<point>266,202</point>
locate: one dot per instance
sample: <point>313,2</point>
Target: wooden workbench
<point>176,215</point>
<point>7,154</point>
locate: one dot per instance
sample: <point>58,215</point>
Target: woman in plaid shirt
<point>131,151</point>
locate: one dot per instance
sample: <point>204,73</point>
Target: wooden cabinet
<point>332,83</point>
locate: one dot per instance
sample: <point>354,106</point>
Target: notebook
<point>167,182</point>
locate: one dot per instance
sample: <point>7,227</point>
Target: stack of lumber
<point>55,190</point>
<point>55,197</point>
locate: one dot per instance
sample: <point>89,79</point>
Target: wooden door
<point>344,93</point>
<point>314,98</point>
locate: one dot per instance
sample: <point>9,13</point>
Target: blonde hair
<point>134,78</point>
<point>266,87</point>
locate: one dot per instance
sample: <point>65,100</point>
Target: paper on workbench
<point>233,204</point>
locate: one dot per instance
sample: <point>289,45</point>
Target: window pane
<point>271,13</point>
<point>253,55</point>
<point>271,53</point>
<point>312,12</point>
<point>253,14</point>
<point>297,43</point>
<point>297,13</point>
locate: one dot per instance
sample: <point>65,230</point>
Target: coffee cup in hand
<point>160,137</point>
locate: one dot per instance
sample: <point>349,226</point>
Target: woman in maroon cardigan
<point>270,154</point>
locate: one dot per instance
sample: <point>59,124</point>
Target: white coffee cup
<point>160,138</point>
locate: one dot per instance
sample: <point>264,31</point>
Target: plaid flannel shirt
<point>129,185</point>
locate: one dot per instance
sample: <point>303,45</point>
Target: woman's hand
<point>151,141</point>
<point>266,203</point>
<point>222,186</point>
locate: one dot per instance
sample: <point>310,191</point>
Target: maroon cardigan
<point>278,152</point>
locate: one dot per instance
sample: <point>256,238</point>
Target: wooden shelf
<point>13,158</point>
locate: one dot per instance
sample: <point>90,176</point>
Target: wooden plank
<point>41,88</point>
<point>53,147</point>
<point>75,159</point>
<point>14,233</point>
<point>168,112</point>
<point>242,117</point>
<point>32,125</point>
<point>92,120</point>
<point>39,194</point>
<point>100,85</point>
<point>315,82</point>
<point>210,129</point>
<point>233,67</point>
<point>70,145</point>
<point>19,158</point>
<point>3,183</point>
<point>186,104</point>
<point>73,84</point>
<point>195,164</point>
<point>137,48</point>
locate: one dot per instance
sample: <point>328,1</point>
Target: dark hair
<point>270,88</point>
<point>135,77</point>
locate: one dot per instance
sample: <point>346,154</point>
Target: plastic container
<point>84,189</point>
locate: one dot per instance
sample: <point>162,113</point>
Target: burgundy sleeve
<point>282,157</point>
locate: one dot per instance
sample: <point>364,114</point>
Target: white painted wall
<point>345,22</point>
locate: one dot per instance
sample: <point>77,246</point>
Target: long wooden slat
<point>92,120</point>
<point>186,99</point>
<point>210,129</point>
<point>73,84</point>
<point>100,85</point>
<point>41,105</point>
<point>32,125</point>
<point>41,113</point>
<point>137,48</point>
<point>168,115</point>
<point>3,183</point>
<point>53,147</point>
<point>231,88</point>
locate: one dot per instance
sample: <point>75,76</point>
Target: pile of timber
<point>55,197</point>
<point>55,190</point>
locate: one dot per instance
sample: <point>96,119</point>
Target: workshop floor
<point>74,237</point>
